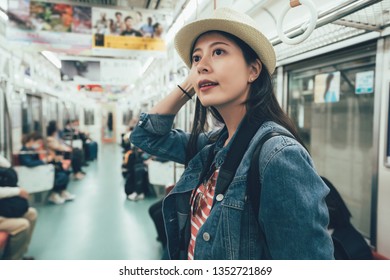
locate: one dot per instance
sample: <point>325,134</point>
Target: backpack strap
<point>234,156</point>
<point>254,184</point>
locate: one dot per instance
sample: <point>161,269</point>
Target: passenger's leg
<point>31,216</point>
<point>60,183</point>
<point>19,230</point>
<point>61,188</point>
<point>77,162</point>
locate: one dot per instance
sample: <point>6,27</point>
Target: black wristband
<point>185,92</point>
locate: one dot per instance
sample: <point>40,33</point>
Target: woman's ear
<point>255,70</point>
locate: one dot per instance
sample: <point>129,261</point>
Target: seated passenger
<point>20,229</point>
<point>125,139</point>
<point>137,182</point>
<point>59,148</point>
<point>68,132</point>
<point>30,158</point>
<point>72,131</point>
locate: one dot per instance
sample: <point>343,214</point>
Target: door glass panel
<point>331,101</point>
<point>36,114</point>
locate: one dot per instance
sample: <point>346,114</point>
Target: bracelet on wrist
<point>184,91</point>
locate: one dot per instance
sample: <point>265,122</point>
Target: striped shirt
<point>202,202</point>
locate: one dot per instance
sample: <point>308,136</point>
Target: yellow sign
<point>128,43</point>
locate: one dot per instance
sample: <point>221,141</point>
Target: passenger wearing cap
<point>231,63</point>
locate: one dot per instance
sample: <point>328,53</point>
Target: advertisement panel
<point>102,71</point>
<point>85,30</point>
<point>50,26</point>
<point>127,30</point>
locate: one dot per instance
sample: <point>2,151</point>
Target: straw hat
<point>227,20</point>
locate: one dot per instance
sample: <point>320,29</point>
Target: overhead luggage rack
<point>372,18</point>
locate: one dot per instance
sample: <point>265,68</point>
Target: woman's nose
<point>203,66</point>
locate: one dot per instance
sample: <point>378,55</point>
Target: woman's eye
<point>218,52</point>
<point>195,58</point>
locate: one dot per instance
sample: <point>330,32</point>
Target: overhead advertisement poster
<point>102,71</point>
<point>104,92</point>
<point>126,32</point>
<point>84,30</point>
<point>80,71</point>
<point>50,26</point>
<point>327,88</point>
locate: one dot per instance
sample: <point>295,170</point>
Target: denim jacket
<point>293,214</point>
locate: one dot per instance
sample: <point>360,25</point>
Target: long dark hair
<point>51,128</point>
<point>261,104</point>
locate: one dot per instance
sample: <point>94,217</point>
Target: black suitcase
<point>91,151</point>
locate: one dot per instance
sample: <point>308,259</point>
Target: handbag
<point>8,177</point>
<point>11,207</point>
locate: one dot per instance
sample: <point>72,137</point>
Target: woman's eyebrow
<point>212,45</point>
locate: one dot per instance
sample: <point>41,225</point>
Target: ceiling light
<point>52,58</point>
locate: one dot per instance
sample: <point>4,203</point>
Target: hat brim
<point>185,39</point>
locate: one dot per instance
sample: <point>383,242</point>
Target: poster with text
<point>50,26</point>
<point>364,83</point>
<point>80,71</point>
<point>51,17</point>
<point>128,30</point>
<point>102,71</point>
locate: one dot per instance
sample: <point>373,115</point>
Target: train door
<point>331,100</point>
<point>49,110</point>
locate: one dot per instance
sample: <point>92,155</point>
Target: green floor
<point>100,224</point>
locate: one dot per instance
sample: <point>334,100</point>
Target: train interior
<point>55,68</point>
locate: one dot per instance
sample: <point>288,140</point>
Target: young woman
<point>59,148</point>
<point>231,62</point>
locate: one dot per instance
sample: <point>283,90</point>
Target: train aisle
<point>101,223</point>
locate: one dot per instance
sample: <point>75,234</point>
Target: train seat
<point>3,242</point>
<point>36,179</point>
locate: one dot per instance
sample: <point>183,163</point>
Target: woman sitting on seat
<point>59,148</point>
<point>30,158</point>
<point>19,228</point>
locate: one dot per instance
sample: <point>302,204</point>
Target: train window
<point>53,110</point>
<point>68,113</point>
<point>127,117</point>
<point>36,111</point>
<point>32,114</point>
<point>89,117</point>
<point>331,100</point>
